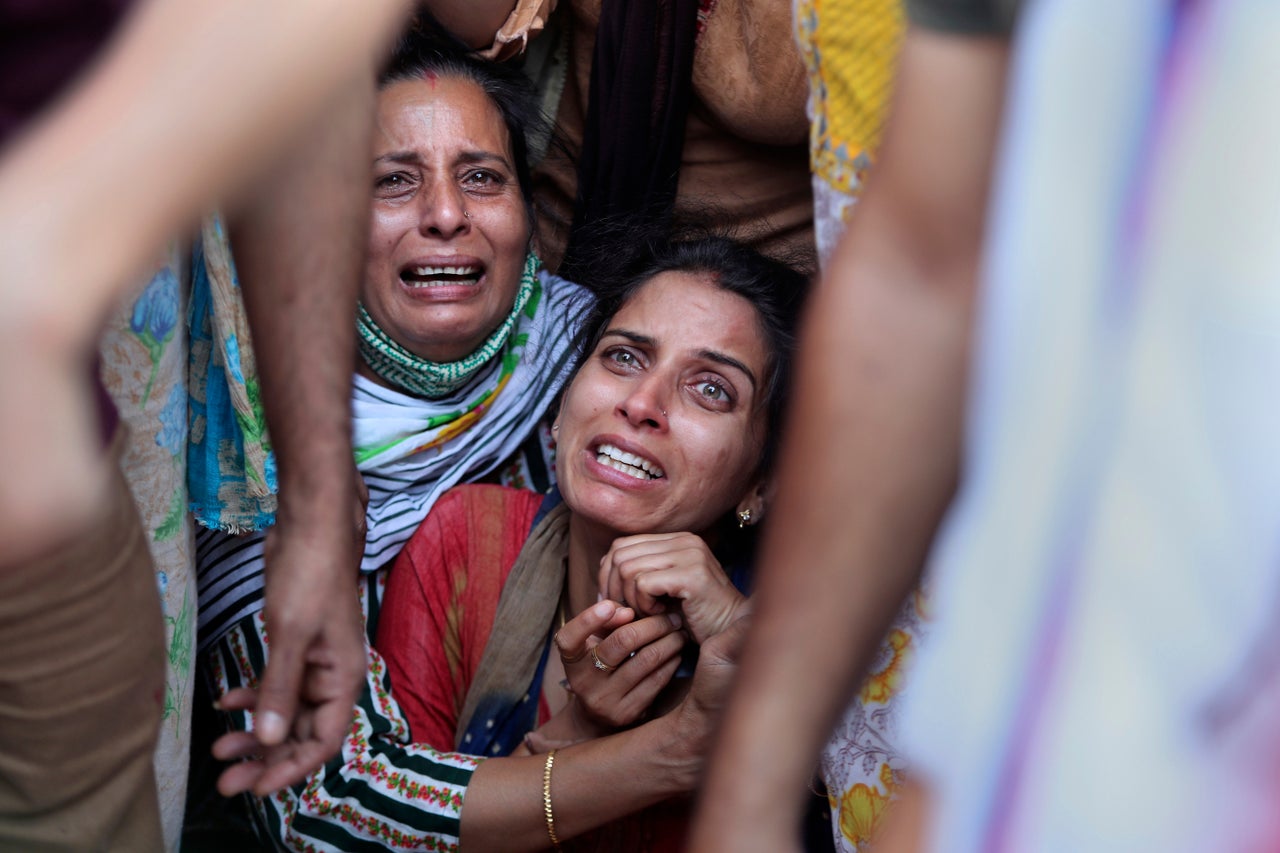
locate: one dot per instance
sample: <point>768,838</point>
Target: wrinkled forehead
<point>689,313</point>
<point>439,111</point>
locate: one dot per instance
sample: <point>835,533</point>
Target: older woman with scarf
<point>464,343</point>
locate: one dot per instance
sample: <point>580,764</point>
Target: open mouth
<point>441,276</point>
<point>627,463</point>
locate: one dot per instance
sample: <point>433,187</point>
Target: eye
<point>709,389</point>
<point>392,185</point>
<point>620,356</point>
<point>483,180</point>
<point>713,392</point>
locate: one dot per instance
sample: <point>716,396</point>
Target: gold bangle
<point>546,799</point>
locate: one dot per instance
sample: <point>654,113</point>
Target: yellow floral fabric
<point>850,48</point>
<point>862,765</point>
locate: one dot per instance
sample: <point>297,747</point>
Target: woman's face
<point>662,428</point>
<point>449,232</point>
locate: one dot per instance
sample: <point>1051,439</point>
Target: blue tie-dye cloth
<point>231,471</point>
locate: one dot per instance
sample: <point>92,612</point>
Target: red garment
<point>438,610</point>
<point>441,600</point>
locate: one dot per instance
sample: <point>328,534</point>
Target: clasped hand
<point>672,572</point>
<point>619,657</point>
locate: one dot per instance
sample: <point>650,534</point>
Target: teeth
<point>430,271</point>
<point>627,463</point>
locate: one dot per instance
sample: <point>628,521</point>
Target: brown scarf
<point>525,610</point>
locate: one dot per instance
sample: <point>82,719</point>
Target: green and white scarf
<point>430,379</point>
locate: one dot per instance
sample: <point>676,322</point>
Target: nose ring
<point>466,213</point>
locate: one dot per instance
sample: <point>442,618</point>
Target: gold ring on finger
<point>565,658</point>
<point>599,664</point>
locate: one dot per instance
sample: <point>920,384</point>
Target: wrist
<point>680,748</point>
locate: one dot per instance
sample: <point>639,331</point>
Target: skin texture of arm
<point>299,240</point>
<point>871,456</point>
<point>602,780</point>
<point>168,120</point>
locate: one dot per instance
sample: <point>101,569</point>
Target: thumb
<point>598,619</point>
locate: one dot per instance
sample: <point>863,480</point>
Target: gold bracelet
<point>546,799</point>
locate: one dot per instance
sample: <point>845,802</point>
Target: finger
<point>626,548</point>
<point>281,682</point>
<point>623,696</point>
<point>609,580</point>
<point>239,699</point>
<point>676,582</point>
<point>620,617</point>
<point>571,639</point>
<point>235,745</point>
<point>646,690</point>
<point>290,767</point>
<point>648,660</point>
<point>640,540</point>
<point>625,572</point>
<point>684,553</point>
<point>332,722</point>
<point>634,702</point>
<point>614,649</point>
<point>639,598</point>
<point>239,778</point>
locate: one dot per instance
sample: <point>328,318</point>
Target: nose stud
<point>664,412</point>
<point>466,213</point>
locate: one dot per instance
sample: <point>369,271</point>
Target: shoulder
<point>482,508</point>
<point>483,501</point>
<point>470,524</point>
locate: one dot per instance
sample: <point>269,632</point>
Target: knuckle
<point>648,657</point>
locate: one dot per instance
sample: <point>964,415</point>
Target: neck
<point>588,543</point>
<point>398,367</point>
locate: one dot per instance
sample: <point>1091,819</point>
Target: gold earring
<point>744,518</point>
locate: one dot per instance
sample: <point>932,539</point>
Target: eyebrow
<point>464,157</point>
<point>706,354</point>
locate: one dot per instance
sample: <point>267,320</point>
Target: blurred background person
<point>1100,673</point>
<point>662,111</point>
<point>122,163</point>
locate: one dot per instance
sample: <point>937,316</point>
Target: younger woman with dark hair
<point>663,438</point>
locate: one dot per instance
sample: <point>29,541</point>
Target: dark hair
<point>424,51</point>
<point>776,290</point>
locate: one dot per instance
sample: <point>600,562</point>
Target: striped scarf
<point>411,450</point>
